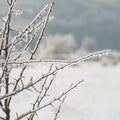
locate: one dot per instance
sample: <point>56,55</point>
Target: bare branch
<point>17,82</point>
<point>50,103</point>
<point>53,72</point>
<point>43,30</point>
<point>40,98</point>
<point>59,108</point>
<point>28,27</point>
<point>12,56</point>
<point>77,61</point>
<point>2,118</point>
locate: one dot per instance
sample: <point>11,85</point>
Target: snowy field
<point>97,98</point>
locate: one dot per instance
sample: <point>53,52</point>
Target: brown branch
<point>5,35</point>
<point>59,108</point>
<point>17,82</point>
<point>40,99</point>
<point>2,118</point>
<point>50,103</point>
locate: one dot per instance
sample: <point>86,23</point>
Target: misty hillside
<point>94,18</point>
<point>98,19</point>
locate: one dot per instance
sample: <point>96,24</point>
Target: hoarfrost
<point>17,12</point>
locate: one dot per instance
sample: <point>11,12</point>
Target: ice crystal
<point>17,12</point>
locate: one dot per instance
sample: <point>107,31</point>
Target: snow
<point>97,98</point>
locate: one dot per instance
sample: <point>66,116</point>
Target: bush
<point>14,64</point>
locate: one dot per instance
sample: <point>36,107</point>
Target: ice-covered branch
<point>77,61</point>
<point>54,71</point>
<point>43,30</point>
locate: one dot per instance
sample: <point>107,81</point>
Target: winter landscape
<point>97,98</point>
<point>59,62</point>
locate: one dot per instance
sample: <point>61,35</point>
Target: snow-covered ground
<point>97,98</point>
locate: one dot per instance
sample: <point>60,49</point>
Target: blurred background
<point>79,27</point>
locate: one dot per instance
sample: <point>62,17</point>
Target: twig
<point>43,30</point>
<point>50,103</point>
<point>54,71</point>
<point>59,108</point>
<point>81,59</point>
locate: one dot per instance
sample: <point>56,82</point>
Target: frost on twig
<point>77,61</point>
